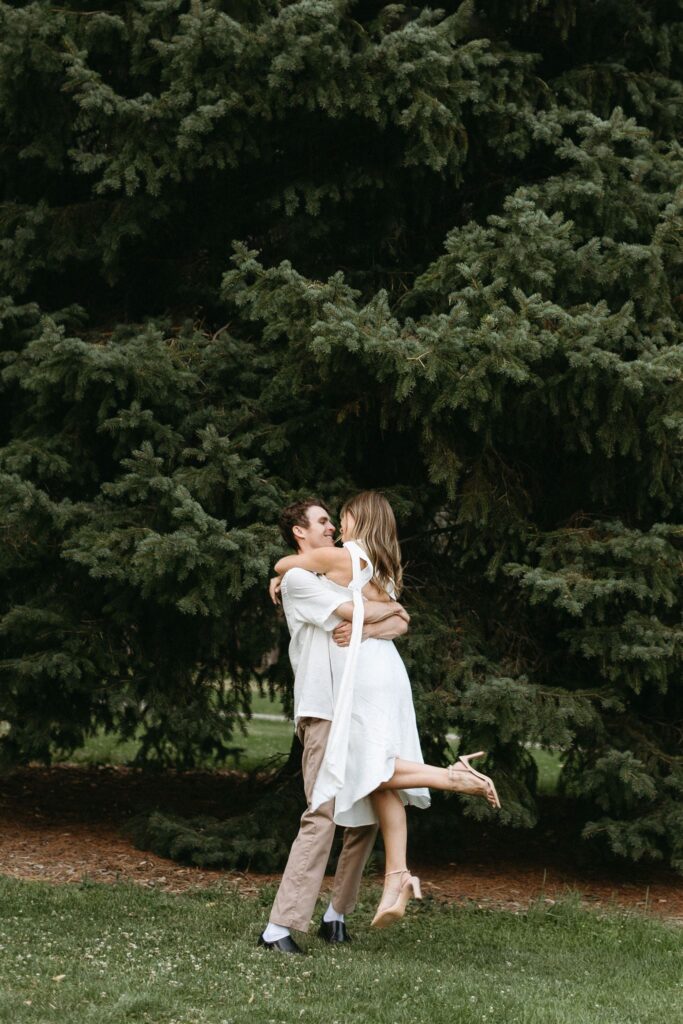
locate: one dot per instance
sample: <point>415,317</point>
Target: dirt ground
<point>66,824</point>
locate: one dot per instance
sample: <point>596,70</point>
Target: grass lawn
<point>264,740</point>
<point>108,954</point>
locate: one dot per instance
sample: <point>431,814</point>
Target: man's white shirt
<point>309,603</point>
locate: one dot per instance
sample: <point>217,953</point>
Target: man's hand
<point>403,614</point>
<point>274,589</point>
<point>342,634</point>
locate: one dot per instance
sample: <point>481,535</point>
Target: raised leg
<point>457,778</point>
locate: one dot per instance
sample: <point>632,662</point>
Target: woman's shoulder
<point>356,548</point>
<point>353,545</point>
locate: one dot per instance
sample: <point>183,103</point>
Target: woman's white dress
<point>374,718</point>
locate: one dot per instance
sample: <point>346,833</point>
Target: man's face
<point>318,534</point>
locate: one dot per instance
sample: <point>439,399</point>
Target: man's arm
<point>317,603</point>
<point>387,629</point>
<point>373,611</point>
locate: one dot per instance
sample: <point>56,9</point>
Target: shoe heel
<point>390,915</point>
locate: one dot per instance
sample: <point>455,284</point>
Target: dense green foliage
<point>456,275</point>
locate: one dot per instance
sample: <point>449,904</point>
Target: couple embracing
<point>353,712</point>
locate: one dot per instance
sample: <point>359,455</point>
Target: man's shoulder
<point>297,576</point>
<point>302,581</point>
<point>297,572</point>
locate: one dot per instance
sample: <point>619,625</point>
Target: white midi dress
<point>374,718</point>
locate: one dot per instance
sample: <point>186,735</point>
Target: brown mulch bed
<point>66,824</point>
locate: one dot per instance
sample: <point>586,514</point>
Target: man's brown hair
<point>297,515</point>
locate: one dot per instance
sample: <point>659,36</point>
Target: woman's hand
<point>274,589</point>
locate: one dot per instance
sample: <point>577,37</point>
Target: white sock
<point>274,932</point>
<point>332,915</point>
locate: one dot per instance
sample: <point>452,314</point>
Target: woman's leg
<point>413,775</point>
<point>389,808</point>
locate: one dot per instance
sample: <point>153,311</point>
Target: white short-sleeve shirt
<point>309,603</point>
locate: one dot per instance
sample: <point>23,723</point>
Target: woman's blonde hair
<point>375,530</point>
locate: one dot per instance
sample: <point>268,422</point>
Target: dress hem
<point>417,797</point>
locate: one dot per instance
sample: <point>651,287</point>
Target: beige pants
<point>305,869</point>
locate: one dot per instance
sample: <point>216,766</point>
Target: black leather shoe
<point>286,945</point>
<point>333,931</point>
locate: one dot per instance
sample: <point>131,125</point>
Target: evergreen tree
<point>456,275</point>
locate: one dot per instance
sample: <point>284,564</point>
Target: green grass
<point>264,740</point>
<point>114,954</point>
<point>264,705</point>
<point>549,766</point>
<point>102,748</point>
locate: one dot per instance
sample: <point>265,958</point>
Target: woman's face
<point>346,526</point>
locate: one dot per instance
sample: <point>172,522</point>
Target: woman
<point>373,763</point>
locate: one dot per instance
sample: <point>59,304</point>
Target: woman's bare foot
<point>463,779</point>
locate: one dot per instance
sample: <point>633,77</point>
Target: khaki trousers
<point>303,875</point>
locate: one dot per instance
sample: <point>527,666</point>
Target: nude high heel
<point>388,916</point>
<point>492,795</point>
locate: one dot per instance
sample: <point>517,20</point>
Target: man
<point>313,611</point>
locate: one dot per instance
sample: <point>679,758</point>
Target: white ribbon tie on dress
<point>333,769</point>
